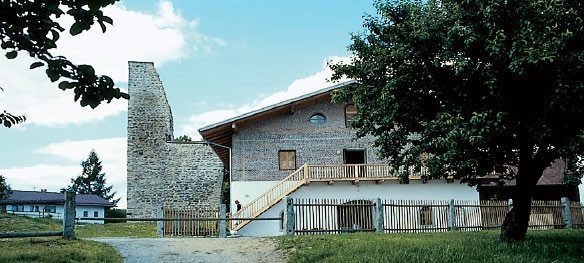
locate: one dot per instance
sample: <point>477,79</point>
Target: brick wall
<point>256,144</point>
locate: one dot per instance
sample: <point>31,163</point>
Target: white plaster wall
<point>60,211</point>
<point>415,190</point>
<point>247,191</point>
<point>90,212</point>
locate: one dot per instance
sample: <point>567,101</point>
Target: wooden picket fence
<point>329,216</point>
<point>178,223</point>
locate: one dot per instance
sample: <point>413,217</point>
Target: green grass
<point>540,246</point>
<point>56,249</point>
<point>116,230</point>
<point>12,223</point>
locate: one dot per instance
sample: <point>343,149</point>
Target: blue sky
<point>216,59</point>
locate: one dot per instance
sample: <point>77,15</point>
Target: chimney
<point>43,190</point>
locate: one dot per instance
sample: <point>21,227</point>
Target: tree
<point>92,180</point>
<point>471,87</point>
<point>184,138</point>
<point>32,27</point>
<point>5,190</point>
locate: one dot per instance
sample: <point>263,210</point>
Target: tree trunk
<point>516,221</point>
<point>514,227</point>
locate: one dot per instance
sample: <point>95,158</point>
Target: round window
<point>317,119</point>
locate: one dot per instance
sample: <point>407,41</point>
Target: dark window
<point>18,208</point>
<point>50,209</point>
<point>85,213</point>
<point>287,160</point>
<point>426,216</point>
<point>95,214</point>
<point>350,114</point>
<point>317,119</point>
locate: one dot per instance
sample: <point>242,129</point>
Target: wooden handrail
<point>305,173</point>
<point>272,196</point>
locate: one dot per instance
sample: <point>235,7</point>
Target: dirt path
<point>196,249</point>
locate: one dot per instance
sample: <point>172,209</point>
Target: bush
<point>115,213</point>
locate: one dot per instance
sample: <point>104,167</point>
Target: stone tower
<point>162,172</point>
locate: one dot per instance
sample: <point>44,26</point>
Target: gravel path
<point>196,249</point>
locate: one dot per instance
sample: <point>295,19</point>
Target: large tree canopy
<point>472,87</point>
<point>32,28</point>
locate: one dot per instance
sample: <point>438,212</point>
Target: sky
<point>216,59</point>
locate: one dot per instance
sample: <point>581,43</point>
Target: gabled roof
<point>33,197</point>
<point>221,132</point>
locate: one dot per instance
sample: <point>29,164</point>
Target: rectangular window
<point>95,214</point>
<point>50,209</point>
<point>85,213</point>
<point>18,208</point>
<point>287,160</point>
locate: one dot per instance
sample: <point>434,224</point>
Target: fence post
<point>290,218</point>
<point>223,221</point>
<point>451,215</point>
<point>160,224</point>
<point>510,204</point>
<point>566,212</point>
<point>378,216</point>
<point>69,216</point>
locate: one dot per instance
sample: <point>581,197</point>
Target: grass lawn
<point>540,246</point>
<point>55,249</point>
<point>12,223</point>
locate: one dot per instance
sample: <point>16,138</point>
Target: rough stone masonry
<point>162,172</point>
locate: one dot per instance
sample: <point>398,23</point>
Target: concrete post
<point>378,216</point>
<point>160,224</point>
<point>69,216</point>
<point>223,221</point>
<point>566,212</point>
<point>451,216</point>
<point>290,217</point>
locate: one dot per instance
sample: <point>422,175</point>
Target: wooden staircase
<point>271,197</point>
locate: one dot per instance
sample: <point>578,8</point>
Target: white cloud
<point>297,88</point>
<point>160,37</point>
<point>111,151</point>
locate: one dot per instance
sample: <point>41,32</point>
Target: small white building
<point>45,204</point>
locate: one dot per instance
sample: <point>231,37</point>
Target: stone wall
<point>160,172</point>
<point>256,144</point>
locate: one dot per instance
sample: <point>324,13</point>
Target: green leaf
<point>52,74</point>
<point>86,70</point>
<point>12,54</point>
<point>36,65</point>
<point>102,26</point>
<point>76,28</point>
<point>107,19</point>
<point>64,85</point>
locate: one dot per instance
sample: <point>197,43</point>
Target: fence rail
<point>178,221</point>
<point>328,216</point>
